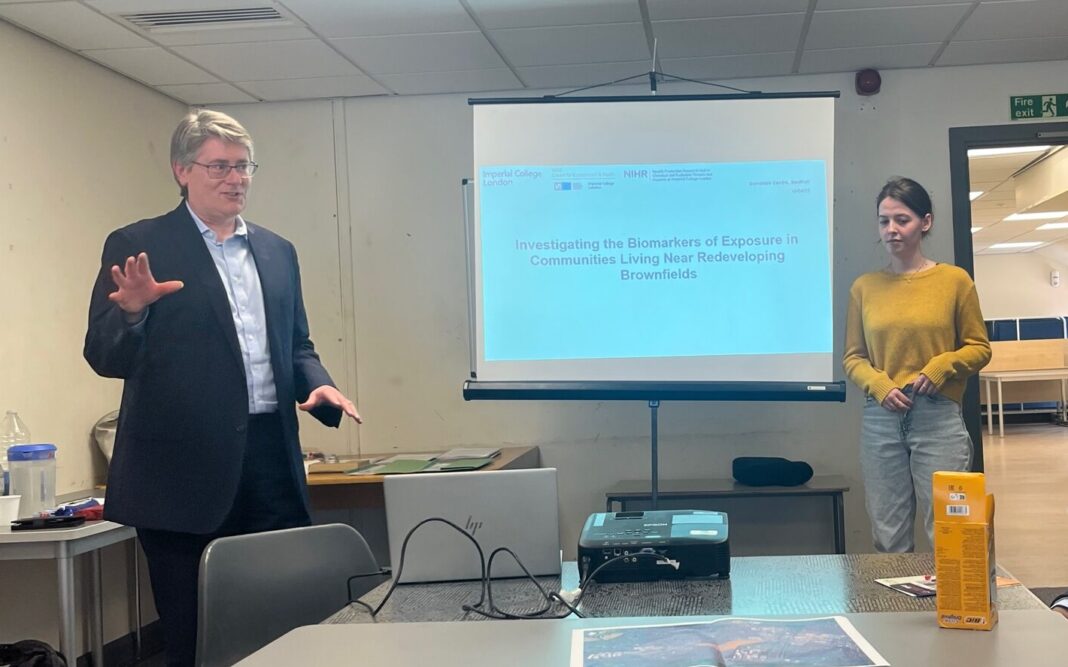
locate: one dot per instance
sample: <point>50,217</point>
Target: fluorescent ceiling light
<point>1053,225</point>
<point>975,194</point>
<point>1019,244</point>
<point>1049,215</point>
<point>1008,150</point>
<point>975,229</point>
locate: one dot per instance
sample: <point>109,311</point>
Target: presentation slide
<point>663,241</point>
<point>654,260</point>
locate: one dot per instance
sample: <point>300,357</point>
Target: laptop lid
<point>499,508</point>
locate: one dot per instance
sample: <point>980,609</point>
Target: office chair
<point>255,588</point>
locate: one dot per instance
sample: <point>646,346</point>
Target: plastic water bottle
<point>13,431</point>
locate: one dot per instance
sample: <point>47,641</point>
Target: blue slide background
<point>587,312</point>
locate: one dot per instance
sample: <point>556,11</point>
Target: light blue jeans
<point>899,453</point>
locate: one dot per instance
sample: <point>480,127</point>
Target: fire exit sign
<point>1037,106</point>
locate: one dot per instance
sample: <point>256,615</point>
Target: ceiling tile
<point>1011,20</point>
<point>427,83</point>
<point>153,66</point>
<point>883,27</point>
<point>313,88</point>
<point>878,57</point>
<point>730,67</point>
<point>71,24</point>
<point>660,10</point>
<point>575,76</point>
<point>728,36</point>
<point>403,54</point>
<point>346,18</point>
<point>572,45</point>
<point>206,93</point>
<point>495,14</point>
<point>267,61</point>
<point>1004,50</point>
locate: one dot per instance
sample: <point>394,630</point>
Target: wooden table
<point>359,501</point>
<point>832,486</point>
<point>339,491</point>
<point>1001,377</point>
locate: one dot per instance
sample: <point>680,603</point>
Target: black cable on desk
<point>552,599</point>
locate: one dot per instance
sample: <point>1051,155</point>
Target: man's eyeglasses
<point>219,170</point>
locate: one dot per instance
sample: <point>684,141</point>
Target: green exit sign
<point>1038,106</point>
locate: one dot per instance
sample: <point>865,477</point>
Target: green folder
<point>465,464</point>
<point>398,467</point>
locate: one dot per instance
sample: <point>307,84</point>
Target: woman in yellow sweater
<point>914,334</point>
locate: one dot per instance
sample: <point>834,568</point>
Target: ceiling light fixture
<point>1008,150</point>
<point>1048,215</point>
<point>1016,245</point>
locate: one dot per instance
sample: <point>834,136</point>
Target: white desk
<point>1059,374</point>
<point>1036,638</point>
<point>63,544</point>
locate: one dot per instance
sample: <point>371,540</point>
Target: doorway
<point>1006,234</point>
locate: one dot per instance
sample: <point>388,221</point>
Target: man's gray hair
<point>199,126</point>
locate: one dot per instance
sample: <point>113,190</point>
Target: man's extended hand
<point>138,289</point>
<point>327,395</point>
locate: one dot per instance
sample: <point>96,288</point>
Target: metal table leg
<point>989,409</point>
<point>839,523</point>
<point>1001,411</point>
<point>96,610</point>
<point>68,644</point>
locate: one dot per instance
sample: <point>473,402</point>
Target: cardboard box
<point>965,575</point>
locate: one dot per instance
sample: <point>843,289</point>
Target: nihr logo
<point>471,526</point>
<point>635,173</point>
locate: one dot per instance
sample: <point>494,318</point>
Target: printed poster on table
<point>727,642</point>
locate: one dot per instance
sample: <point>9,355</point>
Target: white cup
<point>9,509</point>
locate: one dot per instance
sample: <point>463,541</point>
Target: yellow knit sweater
<point>899,326</point>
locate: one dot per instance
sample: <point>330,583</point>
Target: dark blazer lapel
<point>273,281</point>
<point>202,267</point>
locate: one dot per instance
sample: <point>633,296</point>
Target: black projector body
<point>693,543</point>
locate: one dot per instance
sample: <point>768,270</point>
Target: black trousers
<point>268,499</point>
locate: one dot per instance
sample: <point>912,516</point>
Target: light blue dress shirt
<point>237,269</point>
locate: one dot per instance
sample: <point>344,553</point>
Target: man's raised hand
<point>138,289</point>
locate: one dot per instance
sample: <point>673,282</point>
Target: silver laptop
<point>501,508</point>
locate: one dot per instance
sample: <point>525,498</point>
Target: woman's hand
<point>923,385</point>
<point>897,401</point>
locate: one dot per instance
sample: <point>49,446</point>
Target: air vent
<point>246,17</point>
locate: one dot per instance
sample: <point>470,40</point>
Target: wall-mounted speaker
<point>868,82</point>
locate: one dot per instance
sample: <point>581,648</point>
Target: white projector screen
<point>653,240</point>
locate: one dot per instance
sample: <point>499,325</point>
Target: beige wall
<point>82,151</point>
<point>1018,285</point>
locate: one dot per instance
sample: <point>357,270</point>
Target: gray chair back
<point>255,588</point>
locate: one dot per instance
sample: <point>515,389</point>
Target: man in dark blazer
<point>211,340</point>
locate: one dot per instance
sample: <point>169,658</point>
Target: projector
<point>691,543</point>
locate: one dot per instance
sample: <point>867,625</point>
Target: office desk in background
<point>831,486</point>
<point>359,501</point>
<point>823,584</point>
<point>63,545</point>
<point>1035,638</point>
<point>1001,377</point>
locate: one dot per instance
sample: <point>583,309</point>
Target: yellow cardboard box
<point>964,551</point>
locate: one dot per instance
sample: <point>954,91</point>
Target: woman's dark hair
<point>908,192</point>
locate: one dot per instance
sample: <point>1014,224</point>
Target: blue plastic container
<point>33,476</point>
